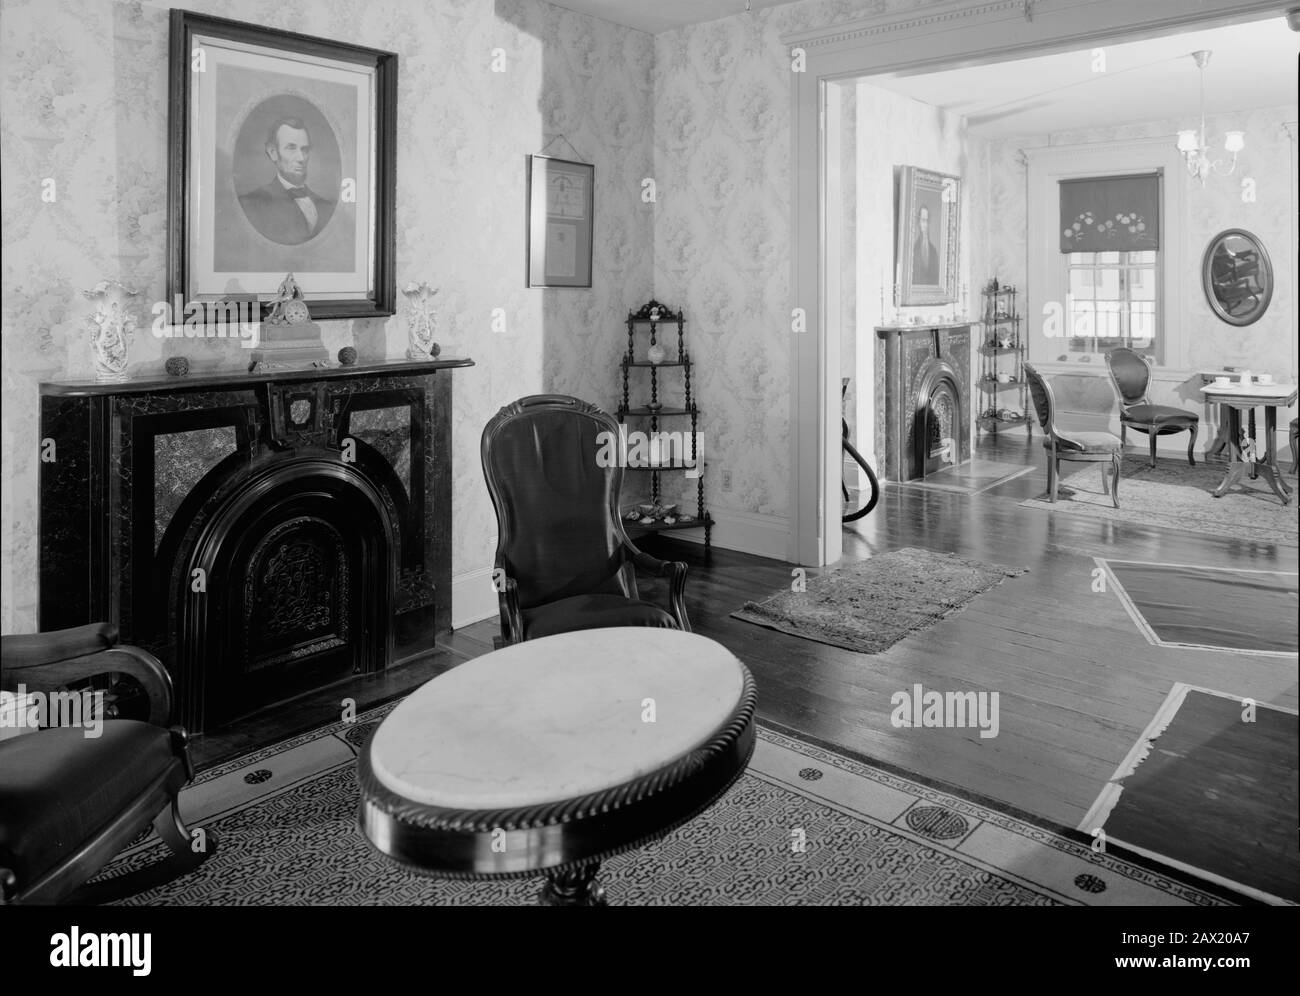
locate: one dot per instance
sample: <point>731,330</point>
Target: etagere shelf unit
<point>672,447</point>
<point>1002,384</point>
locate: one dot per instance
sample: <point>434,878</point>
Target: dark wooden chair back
<point>1044,403</point>
<point>1130,375</point>
<point>559,532</point>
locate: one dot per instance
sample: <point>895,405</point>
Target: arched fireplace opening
<point>939,427</point>
<point>287,587</point>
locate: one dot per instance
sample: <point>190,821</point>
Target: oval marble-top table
<point>549,755</point>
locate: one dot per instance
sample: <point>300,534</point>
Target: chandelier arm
<point>1199,163</point>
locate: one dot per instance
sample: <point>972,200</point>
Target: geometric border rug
<point>804,825</point>
<point>1211,608</point>
<point>1211,788</point>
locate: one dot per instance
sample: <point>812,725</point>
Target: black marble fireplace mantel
<point>153,383</point>
<point>263,534</point>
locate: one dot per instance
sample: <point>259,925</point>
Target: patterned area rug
<point>1174,495</point>
<point>803,826</point>
<point>870,605</point>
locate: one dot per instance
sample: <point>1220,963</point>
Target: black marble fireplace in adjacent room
<point>263,535</point>
<point>923,385</point>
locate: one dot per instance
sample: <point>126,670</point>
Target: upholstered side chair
<point>1079,447</point>
<point>564,561</point>
<point>72,797</point>
<point>1131,376</point>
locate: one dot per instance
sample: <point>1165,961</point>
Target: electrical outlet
<point>726,480</point>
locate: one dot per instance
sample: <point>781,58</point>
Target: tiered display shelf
<point>654,516</point>
<point>1004,391</point>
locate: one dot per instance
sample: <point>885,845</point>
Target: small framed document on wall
<point>560,207</point>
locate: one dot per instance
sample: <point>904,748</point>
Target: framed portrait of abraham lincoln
<point>282,161</point>
<point>928,233</point>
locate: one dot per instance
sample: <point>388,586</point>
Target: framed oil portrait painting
<point>561,197</point>
<point>928,227</point>
<point>283,151</point>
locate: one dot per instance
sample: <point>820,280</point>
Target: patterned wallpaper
<point>722,230</point>
<point>1269,344</point>
<point>83,99</point>
<point>931,138</point>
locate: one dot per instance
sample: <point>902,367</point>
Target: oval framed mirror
<point>1237,276</point>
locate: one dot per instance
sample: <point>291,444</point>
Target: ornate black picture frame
<point>283,154</point>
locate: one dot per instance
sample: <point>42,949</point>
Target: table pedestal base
<point>1237,448</point>
<point>573,887</point>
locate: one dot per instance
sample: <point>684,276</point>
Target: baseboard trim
<point>472,597</point>
<point>744,532</point>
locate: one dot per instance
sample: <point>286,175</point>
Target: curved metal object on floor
<point>871,476</point>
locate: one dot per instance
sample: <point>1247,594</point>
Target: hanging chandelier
<point>1194,147</point>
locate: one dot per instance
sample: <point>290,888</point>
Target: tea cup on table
<point>1265,379</point>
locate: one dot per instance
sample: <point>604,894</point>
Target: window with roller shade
<point>1110,247</point>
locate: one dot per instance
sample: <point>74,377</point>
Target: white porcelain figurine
<point>421,322</point>
<point>112,328</point>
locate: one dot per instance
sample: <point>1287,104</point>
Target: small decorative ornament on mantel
<point>421,323</point>
<point>112,328</point>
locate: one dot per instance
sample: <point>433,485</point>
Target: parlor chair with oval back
<point>1131,376</point>
<point>564,561</point>
<point>1079,447</point>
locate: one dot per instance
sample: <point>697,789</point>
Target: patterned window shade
<point>1111,213</point>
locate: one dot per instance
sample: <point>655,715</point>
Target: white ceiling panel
<point>1252,65</point>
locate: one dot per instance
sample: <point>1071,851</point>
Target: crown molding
<point>949,13</point>
<point>961,14</point>
<point>1046,153</point>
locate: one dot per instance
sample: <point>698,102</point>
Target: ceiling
<point>1253,65</point>
<point>662,15</point>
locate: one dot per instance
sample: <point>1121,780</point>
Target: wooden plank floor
<point>1077,682</point>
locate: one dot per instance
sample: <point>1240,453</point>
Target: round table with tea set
<point>546,757</point>
<point>1237,397</point>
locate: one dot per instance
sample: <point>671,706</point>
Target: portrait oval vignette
<point>265,198</point>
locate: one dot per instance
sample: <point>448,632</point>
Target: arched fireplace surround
<point>296,573</point>
<point>264,535</point>
<point>923,398</point>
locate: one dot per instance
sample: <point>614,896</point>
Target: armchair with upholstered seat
<point>564,561</point>
<point>1071,445</point>
<point>1131,376</point>
<point>72,797</point>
